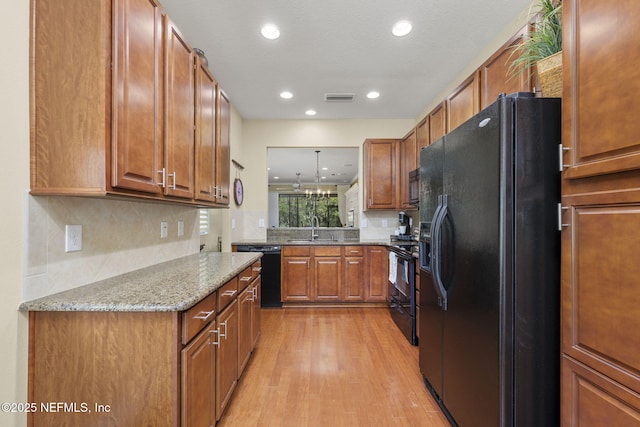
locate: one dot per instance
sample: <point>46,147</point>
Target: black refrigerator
<point>490,266</point>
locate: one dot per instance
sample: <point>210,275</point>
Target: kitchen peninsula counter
<point>174,285</point>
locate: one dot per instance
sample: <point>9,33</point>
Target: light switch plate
<point>261,223</point>
<point>180,228</point>
<point>72,238</point>
<point>164,229</point>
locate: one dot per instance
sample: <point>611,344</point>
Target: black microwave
<point>414,187</point>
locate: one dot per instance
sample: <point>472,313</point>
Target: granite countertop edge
<point>174,285</point>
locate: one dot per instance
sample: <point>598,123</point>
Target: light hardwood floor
<point>332,367</point>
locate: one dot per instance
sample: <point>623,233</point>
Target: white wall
<point>14,145</point>
<point>117,237</point>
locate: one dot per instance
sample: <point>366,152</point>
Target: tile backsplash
<point>117,236</point>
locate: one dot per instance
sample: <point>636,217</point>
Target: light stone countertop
<point>170,286</point>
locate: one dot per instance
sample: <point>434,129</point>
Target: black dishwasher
<point>270,273</point>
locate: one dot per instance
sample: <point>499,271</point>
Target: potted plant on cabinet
<point>543,48</point>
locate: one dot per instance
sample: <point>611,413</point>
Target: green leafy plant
<point>544,40</point>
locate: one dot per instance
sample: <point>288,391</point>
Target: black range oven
<point>402,287</point>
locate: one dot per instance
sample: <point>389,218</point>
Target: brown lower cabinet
<point>140,368</point>
<point>226,357</point>
<point>334,273</point>
<point>199,379</point>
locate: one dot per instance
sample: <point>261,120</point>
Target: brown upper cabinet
<point>408,162</point>
<point>464,102</point>
<point>178,166</point>
<point>438,122</point>
<point>422,137</point>
<point>206,107</point>
<point>113,104</point>
<point>494,73</point>
<point>381,173</point>
<point>223,150</point>
<point>138,73</point>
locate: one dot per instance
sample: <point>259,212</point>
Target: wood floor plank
<point>332,367</point>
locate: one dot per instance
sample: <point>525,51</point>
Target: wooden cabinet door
<point>223,153</point>
<point>255,309</point>
<point>464,102</point>
<point>602,82</point>
<point>179,115</point>
<point>601,196</point>
<point>327,272</point>
<point>381,169</point>
<point>354,278</point>
<point>226,356</point>
<point>138,75</point>
<point>296,278</point>
<point>198,379</point>
<point>494,72</point>
<point>422,137</point>
<point>594,400</point>
<point>245,336</point>
<point>438,122</point>
<point>377,287</point>
<point>205,145</point>
<point>408,162</point>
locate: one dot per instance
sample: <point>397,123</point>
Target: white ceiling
<point>331,46</point>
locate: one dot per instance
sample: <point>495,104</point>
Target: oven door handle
<point>438,220</point>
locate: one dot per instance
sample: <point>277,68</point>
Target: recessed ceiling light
<point>270,31</point>
<point>401,28</point>
<point>310,112</point>
<point>286,95</point>
<point>373,94</point>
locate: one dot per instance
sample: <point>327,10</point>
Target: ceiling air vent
<point>339,97</point>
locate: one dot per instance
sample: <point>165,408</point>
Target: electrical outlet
<point>385,223</point>
<point>164,229</point>
<point>180,228</point>
<point>72,238</point>
<point>261,222</point>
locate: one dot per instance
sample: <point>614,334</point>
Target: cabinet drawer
<point>353,251</point>
<point>244,278</point>
<point>327,251</point>
<point>256,268</point>
<point>295,251</point>
<point>227,293</point>
<point>197,317</point>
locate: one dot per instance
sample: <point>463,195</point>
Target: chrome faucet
<point>315,225</point>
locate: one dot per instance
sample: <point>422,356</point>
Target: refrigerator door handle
<point>434,248</point>
<point>436,234</point>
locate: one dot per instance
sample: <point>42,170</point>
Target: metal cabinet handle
<point>217,341</point>
<point>174,175</point>
<point>163,172</point>
<point>204,315</point>
<point>223,335</point>
<point>258,269</point>
<point>245,278</point>
<point>229,293</point>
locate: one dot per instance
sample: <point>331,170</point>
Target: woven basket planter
<point>550,74</point>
